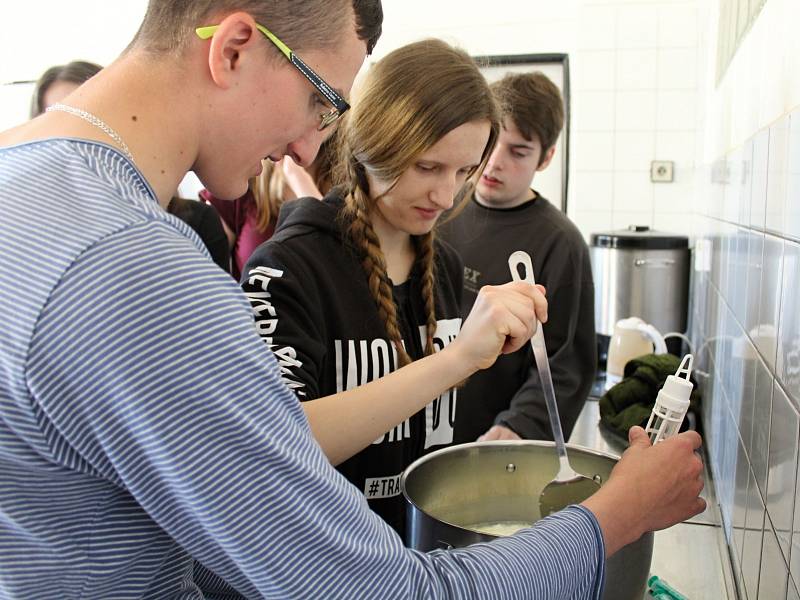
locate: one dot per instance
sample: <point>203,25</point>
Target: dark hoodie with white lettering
<point>314,309</point>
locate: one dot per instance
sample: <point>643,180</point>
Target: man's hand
<point>498,432</point>
<point>651,488</point>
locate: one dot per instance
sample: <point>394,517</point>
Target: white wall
<point>634,90</point>
<point>634,79</point>
<point>38,35</point>
<point>745,298</point>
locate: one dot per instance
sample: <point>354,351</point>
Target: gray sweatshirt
<point>509,393</point>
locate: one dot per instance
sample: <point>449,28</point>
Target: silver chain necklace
<point>97,122</point>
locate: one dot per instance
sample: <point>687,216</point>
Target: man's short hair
<point>534,105</point>
<point>168,25</point>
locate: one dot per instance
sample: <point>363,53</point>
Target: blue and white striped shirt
<point>143,424</point>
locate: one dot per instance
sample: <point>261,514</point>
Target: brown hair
<point>534,105</point>
<point>410,99</point>
<point>78,72</point>
<point>310,24</point>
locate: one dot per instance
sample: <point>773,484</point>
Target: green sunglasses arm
<point>281,46</point>
<point>205,33</point>
<point>208,31</point>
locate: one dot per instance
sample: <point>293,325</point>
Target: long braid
<point>425,257</point>
<point>366,241</point>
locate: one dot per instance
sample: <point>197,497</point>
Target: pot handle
<point>653,262</point>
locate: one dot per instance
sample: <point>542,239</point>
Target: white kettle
<point>632,338</point>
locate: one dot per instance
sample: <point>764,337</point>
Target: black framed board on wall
<point>552,183</point>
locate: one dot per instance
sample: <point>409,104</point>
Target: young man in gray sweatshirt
<point>507,214</point>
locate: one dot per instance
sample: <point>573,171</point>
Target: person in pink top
<point>250,220</point>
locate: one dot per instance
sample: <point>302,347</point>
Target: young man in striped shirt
<point>143,427</point>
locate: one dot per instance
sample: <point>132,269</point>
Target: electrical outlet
<point>661,171</point>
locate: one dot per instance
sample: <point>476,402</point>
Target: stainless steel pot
<point>641,273</point>
<point>451,489</point>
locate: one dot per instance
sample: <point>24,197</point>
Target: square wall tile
<point>592,151</point>
<point>753,536</point>
<point>766,335</point>
<point>714,306</point>
<point>738,249</point>
<point>718,240</point>
<point>733,187</point>
<point>678,25</point>
<point>748,394</point>
<point>593,70</point>
<point>774,572</point>
<point>637,26</point>
<point>589,222</point>
<point>633,151</point>
<point>788,358</point>
<point>758,199</point>
<point>739,503</point>
<point>676,110</point>
<point>592,111</point>
<point>712,411</point>
<point>777,173</point>
<point>597,27</point>
<point>746,198</point>
<point>781,479</point>
<point>718,422</point>
<point>734,380</point>
<point>755,262</point>
<point>724,355</point>
<point>718,177</point>
<point>621,219</point>
<point>636,69</point>
<point>725,484</point>
<point>633,192</point>
<point>675,199</point>
<point>591,191</point>
<point>636,111</point>
<point>674,223</point>
<point>677,69</point>
<point>698,290</point>
<point>792,207</point>
<point>728,233</point>
<point>677,146</point>
<point>703,188</point>
<point>759,450</point>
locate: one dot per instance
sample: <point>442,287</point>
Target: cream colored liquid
<point>499,528</point>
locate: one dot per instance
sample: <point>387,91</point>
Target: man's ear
<point>548,156</point>
<point>235,35</point>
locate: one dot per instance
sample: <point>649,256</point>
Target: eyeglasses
<point>340,106</point>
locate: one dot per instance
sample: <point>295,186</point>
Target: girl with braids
<point>356,286</point>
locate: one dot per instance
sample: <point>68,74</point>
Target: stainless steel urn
<point>451,489</point>
<point>639,272</point>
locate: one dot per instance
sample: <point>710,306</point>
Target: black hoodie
<point>313,308</point>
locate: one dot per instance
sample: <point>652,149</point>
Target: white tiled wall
<point>634,81</point>
<point>746,328</point>
<point>745,307</point>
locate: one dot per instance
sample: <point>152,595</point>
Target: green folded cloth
<point>630,402</point>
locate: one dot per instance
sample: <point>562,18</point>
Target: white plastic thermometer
<point>672,403</point>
